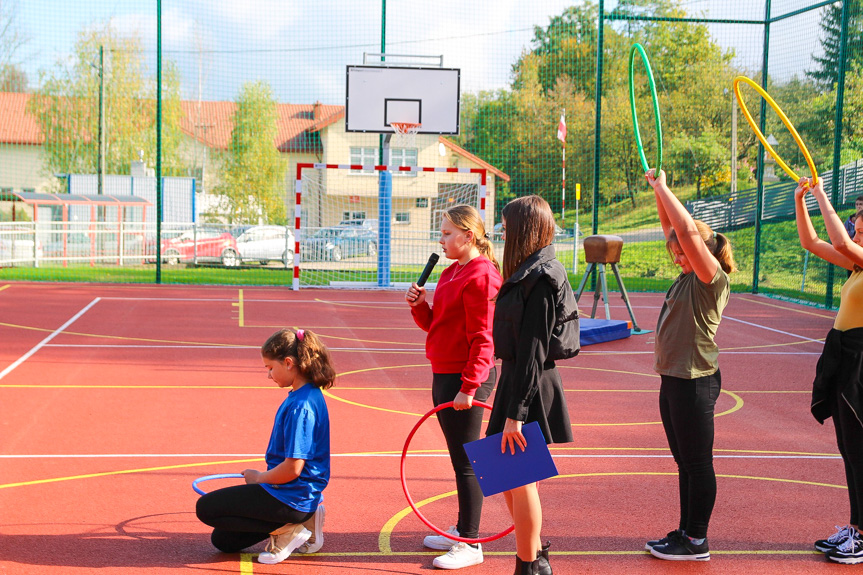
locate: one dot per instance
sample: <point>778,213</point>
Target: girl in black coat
<point>534,299</point>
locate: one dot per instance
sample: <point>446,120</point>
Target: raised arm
<point>702,261</point>
<point>841,250</point>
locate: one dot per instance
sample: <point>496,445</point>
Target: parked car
<point>371,224</point>
<point>266,243</point>
<point>559,232</point>
<point>339,242</point>
<point>203,244</point>
<point>17,246</point>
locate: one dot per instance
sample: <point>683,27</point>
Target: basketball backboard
<point>379,95</point>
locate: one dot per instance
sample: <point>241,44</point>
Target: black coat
<point>529,306</point>
<point>839,370</point>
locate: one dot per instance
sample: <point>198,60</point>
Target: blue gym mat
<point>601,330</point>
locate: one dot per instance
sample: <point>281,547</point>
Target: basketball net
<point>405,134</point>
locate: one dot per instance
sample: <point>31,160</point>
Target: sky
<point>302,47</point>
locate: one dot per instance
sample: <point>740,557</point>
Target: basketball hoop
<point>405,134</point>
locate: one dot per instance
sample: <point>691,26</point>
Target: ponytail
<point>722,252</point>
<point>312,356</point>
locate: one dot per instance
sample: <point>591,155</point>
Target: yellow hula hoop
<point>772,103</point>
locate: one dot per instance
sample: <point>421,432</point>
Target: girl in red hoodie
<point>461,350</point>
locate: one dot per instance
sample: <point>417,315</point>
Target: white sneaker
<point>459,555</point>
<point>440,542</point>
<point>316,526</point>
<point>283,543</point>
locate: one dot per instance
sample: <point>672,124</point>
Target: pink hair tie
<point>301,333</point>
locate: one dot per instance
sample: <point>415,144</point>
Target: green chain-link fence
<point>103,180</point>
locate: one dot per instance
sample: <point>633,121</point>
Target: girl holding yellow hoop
<point>837,391</point>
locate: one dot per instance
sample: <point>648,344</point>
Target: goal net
<point>375,226</point>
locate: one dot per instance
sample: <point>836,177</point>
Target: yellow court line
<point>246,565</point>
<point>127,338</point>
<point>241,309</point>
<point>766,345</point>
<point>363,306</point>
<point>389,527</point>
<point>5,287</point>
<point>127,471</point>
<point>738,403</point>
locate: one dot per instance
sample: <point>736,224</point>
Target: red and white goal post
<point>339,238</point>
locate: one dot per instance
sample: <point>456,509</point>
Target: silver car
<point>266,243</point>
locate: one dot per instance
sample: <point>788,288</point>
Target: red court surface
<point>113,399</point>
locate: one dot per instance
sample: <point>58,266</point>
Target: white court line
<point>398,349</point>
<point>441,455</point>
<point>224,347</point>
<point>42,343</point>
<point>803,337</point>
<point>247,300</point>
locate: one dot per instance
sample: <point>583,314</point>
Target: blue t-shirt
<point>301,431</point>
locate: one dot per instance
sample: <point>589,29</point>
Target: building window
<point>422,202</point>
<point>403,157</point>
<point>364,157</point>
<point>403,217</point>
<point>353,216</point>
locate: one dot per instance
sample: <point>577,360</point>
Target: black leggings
<point>849,437</point>
<point>243,515</point>
<point>460,427</point>
<point>686,407</point>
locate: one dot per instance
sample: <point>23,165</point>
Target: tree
<point>254,173</point>
<point>826,72</point>
<point>13,79</point>
<point>12,39</point>
<point>67,108</point>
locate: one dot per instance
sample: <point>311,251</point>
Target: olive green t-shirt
<point>687,325</point>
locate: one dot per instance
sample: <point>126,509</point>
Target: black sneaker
<point>850,551</point>
<point>654,542</point>
<point>681,548</point>
<point>835,540</point>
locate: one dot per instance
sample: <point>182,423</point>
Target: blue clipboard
<point>498,472</point>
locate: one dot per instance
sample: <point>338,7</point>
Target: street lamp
<point>101,155</point>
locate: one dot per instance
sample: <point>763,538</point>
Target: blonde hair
<point>311,355</point>
<point>718,244</point>
<point>466,218</point>
<point>529,227</point>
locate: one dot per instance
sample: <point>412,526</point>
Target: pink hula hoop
<point>422,517</point>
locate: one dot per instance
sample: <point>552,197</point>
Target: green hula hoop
<point>640,50</point>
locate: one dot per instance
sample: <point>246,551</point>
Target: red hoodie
<point>459,324</point>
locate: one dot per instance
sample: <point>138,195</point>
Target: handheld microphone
<point>428,269</point>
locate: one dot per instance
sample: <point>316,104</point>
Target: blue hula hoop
<point>200,491</point>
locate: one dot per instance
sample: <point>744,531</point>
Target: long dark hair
<point>529,227</point>
<point>310,353</point>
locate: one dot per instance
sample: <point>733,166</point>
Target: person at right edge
<point>534,305</point>
<point>837,391</point>
<point>686,358</point>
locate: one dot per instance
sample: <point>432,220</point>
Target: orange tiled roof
<point>475,159</point>
<point>17,126</point>
<point>211,124</point>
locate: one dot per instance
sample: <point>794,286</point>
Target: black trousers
<point>686,407</point>
<point>243,515</point>
<point>849,437</point>
<point>460,427</point>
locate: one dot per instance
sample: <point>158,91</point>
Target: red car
<point>201,245</point>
